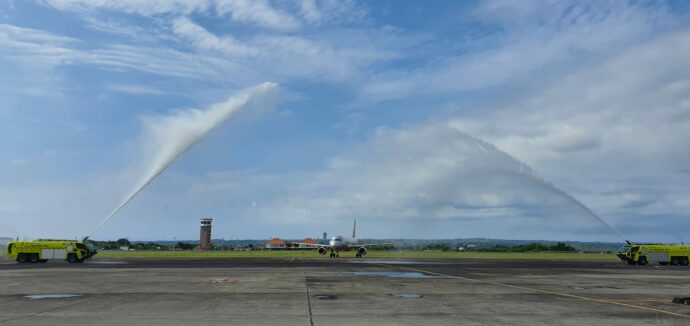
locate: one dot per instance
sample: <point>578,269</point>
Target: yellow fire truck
<point>653,253</point>
<point>36,251</point>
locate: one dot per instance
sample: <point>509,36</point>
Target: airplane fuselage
<point>340,243</point>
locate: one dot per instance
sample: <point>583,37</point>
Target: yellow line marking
<point>566,295</point>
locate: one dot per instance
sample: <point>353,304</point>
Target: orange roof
<point>276,241</point>
<point>310,240</point>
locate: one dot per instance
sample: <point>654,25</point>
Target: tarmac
<point>341,292</point>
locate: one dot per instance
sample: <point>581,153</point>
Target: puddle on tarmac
<point>407,295</point>
<point>394,274</point>
<point>50,296</point>
<point>323,296</point>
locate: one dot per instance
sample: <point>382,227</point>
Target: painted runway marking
<point>566,295</point>
<point>306,285</point>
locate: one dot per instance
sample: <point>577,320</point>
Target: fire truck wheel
<point>674,261</point>
<point>642,260</point>
<point>684,261</point>
<point>22,258</point>
<point>72,258</point>
<point>34,258</point>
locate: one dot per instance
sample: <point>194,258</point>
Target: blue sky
<point>430,120</point>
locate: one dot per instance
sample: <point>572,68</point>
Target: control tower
<point>205,234</point>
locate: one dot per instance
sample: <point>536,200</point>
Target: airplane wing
<point>369,245</point>
<point>313,245</point>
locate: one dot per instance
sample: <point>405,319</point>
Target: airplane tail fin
<point>354,230</point>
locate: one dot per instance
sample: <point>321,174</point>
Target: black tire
<point>642,260</point>
<point>22,258</point>
<point>72,258</point>
<point>684,261</point>
<point>34,258</point>
<point>675,261</point>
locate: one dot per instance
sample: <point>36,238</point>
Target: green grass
<point>372,254</point>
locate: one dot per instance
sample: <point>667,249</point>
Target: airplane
<point>340,243</point>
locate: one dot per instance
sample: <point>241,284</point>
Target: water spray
<point>550,186</point>
<point>176,134</point>
<point>526,173</point>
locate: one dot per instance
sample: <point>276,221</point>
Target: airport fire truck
<point>36,251</point>
<point>663,254</point>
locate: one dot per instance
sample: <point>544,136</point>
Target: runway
<point>342,292</point>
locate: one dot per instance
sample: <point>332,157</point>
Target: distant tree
<point>562,247</point>
<point>185,246</point>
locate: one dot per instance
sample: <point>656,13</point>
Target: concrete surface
<point>285,292</point>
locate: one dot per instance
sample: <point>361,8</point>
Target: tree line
<point>125,243</point>
<point>532,247</point>
<point>436,246</point>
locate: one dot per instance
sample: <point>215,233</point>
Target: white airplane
<point>340,243</point>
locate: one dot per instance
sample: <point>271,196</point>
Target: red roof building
<point>276,243</point>
<point>305,244</point>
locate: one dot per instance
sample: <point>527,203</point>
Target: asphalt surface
<point>341,292</point>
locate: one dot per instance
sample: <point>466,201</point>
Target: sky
<point>442,119</point>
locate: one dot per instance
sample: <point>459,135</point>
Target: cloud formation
<point>592,95</point>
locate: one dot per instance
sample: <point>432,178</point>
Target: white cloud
<point>46,47</point>
<point>535,36</point>
<point>293,56</point>
<point>35,49</point>
<point>205,40</point>
<point>277,15</point>
<point>206,56</point>
<point>135,89</point>
<point>141,7</point>
<point>258,12</point>
<point>634,104</point>
<point>331,11</point>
